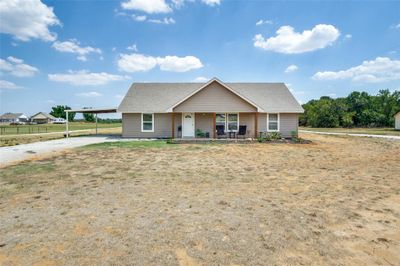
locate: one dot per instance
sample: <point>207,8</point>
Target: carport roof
<point>93,110</point>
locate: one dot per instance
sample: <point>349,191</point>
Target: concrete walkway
<point>352,134</point>
<point>12,154</point>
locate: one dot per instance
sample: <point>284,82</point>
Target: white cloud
<point>4,84</point>
<point>165,21</point>
<point>89,94</point>
<point>397,26</point>
<point>132,47</point>
<point>211,2</point>
<point>85,78</point>
<point>119,96</point>
<point>288,41</point>
<point>262,22</point>
<point>291,68</point>
<point>51,101</point>
<point>139,18</point>
<point>16,67</point>
<point>348,36</point>
<point>201,79</point>
<point>147,6</point>
<point>72,46</point>
<point>179,64</point>
<point>27,20</point>
<point>138,62</point>
<point>381,69</point>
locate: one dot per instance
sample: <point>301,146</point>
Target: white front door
<point>188,125</point>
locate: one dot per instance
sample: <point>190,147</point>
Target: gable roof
<point>162,97</point>
<point>42,115</point>
<point>259,109</point>
<point>11,115</point>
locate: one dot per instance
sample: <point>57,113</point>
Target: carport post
<point>96,123</point>
<point>66,124</point>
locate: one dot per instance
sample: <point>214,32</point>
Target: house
<point>13,118</point>
<point>178,110</point>
<point>42,118</point>
<point>397,121</point>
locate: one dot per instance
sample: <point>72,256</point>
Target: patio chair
<point>220,131</point>
<point>242,132</point>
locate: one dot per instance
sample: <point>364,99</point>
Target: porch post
<point>255,125</point>
<point>173,125</point>
<point>66,124</point>
<point>96,123</point>
<point>214,124</point>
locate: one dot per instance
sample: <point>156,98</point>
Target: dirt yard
<point>333,202</point>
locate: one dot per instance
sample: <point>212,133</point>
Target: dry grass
<point>333,202</point>
<point>12,140</point>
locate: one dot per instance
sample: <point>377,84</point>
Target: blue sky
<point>87,53</point>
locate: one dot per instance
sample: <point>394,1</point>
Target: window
<point>220,120</point>
<point>147,122</point>
<point>230,122</point>
<point>273,122</point>
<point>233,122</point>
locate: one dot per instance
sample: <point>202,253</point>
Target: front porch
<point>211,140</point>
<point>211,126</point>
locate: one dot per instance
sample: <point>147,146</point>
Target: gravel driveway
<point>21,152</point>
<point>351,134</point>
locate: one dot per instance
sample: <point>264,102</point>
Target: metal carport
<point>88,111</point>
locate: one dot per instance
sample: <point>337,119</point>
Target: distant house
<point>219,109</point>
<point>13,118</point>
<point>397,121</point>
<point>42,118</point>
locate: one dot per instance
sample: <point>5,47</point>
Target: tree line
<point>358,109</point>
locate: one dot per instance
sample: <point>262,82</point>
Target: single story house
<point>397,121</point>
<point>42,118</point>
<point>218,109</point>
<point>13,118</point>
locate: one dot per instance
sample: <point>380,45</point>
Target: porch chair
<point>220,131</point>
<point>242,132</point>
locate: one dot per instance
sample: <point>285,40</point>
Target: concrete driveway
<point>12,154</point>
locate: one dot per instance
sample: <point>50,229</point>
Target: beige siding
<point>287,123</point>
<point>248,119</point>
<point>131,126</point>
<point>204,122</point>
<point>215,98</point>
<point>262,122</point>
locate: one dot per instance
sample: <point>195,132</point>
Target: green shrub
<point>275,135</point>
<point>200,133</point>
<point>294,134</point>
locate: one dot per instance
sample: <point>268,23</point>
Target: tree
<point>59,111</point>
<point>87,116</point>
<point>357,109</point>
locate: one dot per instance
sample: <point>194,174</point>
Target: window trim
<point>226,121</point>
<point>279,122</point>
<point>152,122</point>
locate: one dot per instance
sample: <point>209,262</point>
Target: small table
<point>232,133</point>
